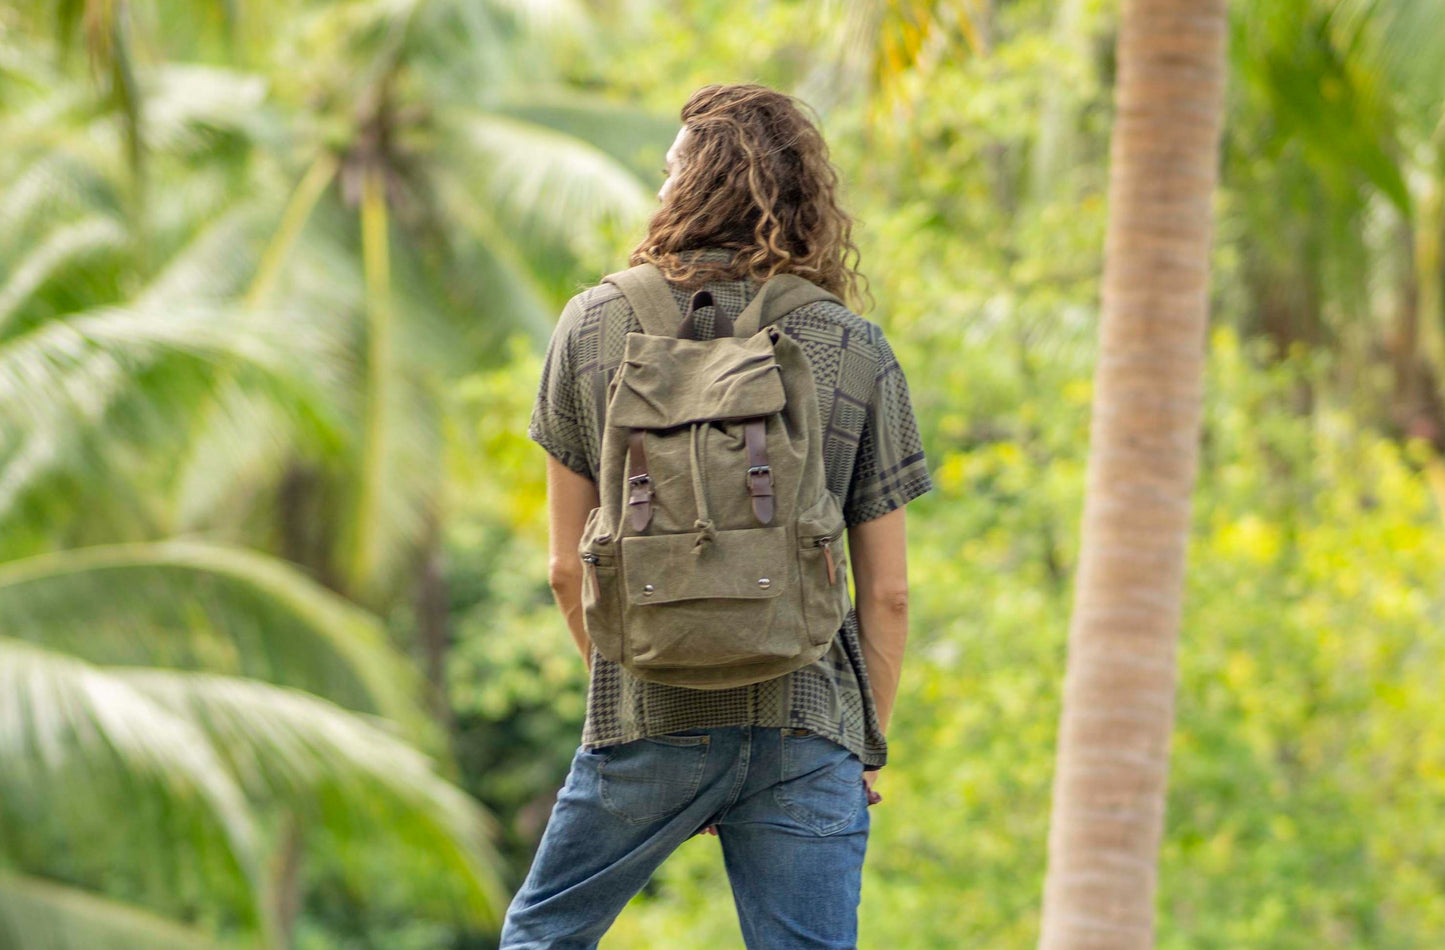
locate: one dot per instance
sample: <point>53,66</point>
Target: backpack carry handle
<point>722,323</point>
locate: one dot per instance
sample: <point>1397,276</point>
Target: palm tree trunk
<point>1118,708</point>
<point>1404,341</point>
<point>1429,277</point>
<point>433,620</point>
<point>284,884</point>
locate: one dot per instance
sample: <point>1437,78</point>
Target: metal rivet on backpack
<point>764,583</point>
<point>648,589</point>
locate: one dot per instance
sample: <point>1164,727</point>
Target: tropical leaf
<point>341,770</point>
<point>297,213</point>
<point>36,914</point>
<point>60,717</point>
<point>192,605</point>
<point>180,406</point>
<point>556,185</point>
<point>637,139</point>
<point>547,15</point>
<point>49,366</point>
<point>243,441</point>
<point>876,46</point>
<point>59,380</point>
<point>62,247</point>
<point>502,288</point>
<point>214,266</point>
<point>54,188</point>
<point>1409,48</point>
<point>22,65</point>
<point>183,100</point>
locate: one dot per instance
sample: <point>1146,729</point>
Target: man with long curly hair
<point>781,771</point>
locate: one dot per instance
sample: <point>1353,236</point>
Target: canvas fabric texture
<point>873,461</point>
<point>704,575</point>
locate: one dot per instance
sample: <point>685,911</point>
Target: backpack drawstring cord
<point>706,530</point>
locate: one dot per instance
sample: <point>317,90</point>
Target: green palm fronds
<point>37,914</point>
<point>231,289</point>
<point>199,606</point>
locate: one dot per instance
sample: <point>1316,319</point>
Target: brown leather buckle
<point>641,490</point>
<point>639,499</point>
<point>760,474</point>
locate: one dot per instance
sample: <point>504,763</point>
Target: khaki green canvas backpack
<point>715,558</point>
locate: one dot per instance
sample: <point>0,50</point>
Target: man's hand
<point>869,777</point>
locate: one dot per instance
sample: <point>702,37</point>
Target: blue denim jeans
<point>791,813</point>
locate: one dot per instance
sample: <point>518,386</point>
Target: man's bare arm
<point>878,550</point>
<point>570,497</point>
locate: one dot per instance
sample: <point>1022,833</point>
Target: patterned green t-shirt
<point>873,458</point>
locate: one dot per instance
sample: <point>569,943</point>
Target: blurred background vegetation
<point>278,662</point>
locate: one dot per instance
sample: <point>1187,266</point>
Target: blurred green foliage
<point>1307,772</point>
<point>1308,769</point>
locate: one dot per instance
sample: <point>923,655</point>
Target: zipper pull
<point>827,545</point>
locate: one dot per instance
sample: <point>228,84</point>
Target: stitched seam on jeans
<point>745,757</point>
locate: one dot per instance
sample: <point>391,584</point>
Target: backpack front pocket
<point>722,605</point>
<point>737,564</point>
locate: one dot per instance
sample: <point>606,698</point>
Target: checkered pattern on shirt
<point>873,458</point>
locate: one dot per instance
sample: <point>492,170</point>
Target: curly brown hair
<point>753,177</point>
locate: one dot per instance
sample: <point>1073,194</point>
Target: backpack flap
<point>665,382</point>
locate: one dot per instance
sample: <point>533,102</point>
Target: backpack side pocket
<point>601,589</point>
<point>822,569</point>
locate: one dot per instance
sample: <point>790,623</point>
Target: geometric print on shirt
<point>874,462</point>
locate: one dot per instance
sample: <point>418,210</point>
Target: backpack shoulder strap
<point>778,296</point>
<point>647,292</point>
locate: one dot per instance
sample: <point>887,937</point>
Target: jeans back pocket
<point>821,785</point>
<point>654,777</point>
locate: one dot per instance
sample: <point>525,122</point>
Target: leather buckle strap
<point>639,499</point>
<point>760,474</point>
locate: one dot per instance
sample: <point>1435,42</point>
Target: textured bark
<point>1118,710</point>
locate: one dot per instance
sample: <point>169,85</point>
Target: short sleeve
<point>890,469</point>
<point>556,422</point>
